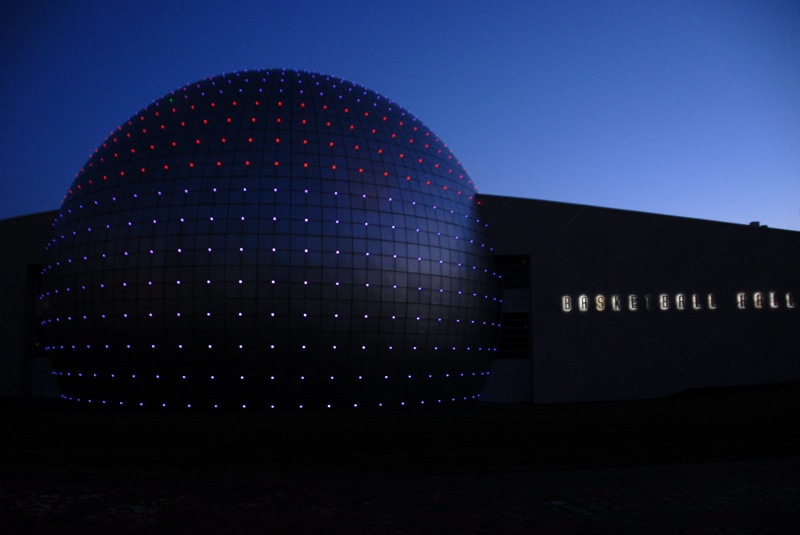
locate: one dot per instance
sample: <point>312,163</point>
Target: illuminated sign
<point>679,301</point>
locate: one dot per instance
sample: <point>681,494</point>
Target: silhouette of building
<point>284,239</point>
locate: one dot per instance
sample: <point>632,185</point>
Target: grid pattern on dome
<point>270,239</point>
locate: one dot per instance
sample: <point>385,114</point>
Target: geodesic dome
<point>270,238</point>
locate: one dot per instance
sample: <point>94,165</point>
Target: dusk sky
<point>687,108</point>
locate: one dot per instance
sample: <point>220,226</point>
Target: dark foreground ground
<point>725,461</point>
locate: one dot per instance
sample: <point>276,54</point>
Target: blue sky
<point>684,108</point>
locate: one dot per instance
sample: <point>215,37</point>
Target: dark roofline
<point>479,196</point>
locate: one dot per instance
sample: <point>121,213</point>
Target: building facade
<point>605,304</point>
<point>25,369</point>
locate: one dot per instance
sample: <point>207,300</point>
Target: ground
<point>719,461</point>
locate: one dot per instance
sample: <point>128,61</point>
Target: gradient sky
<point>687,108</point>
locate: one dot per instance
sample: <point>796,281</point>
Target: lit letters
<point>761,300</point>
<point>600,302</point>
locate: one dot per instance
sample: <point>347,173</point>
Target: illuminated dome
<point>270,238</point>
